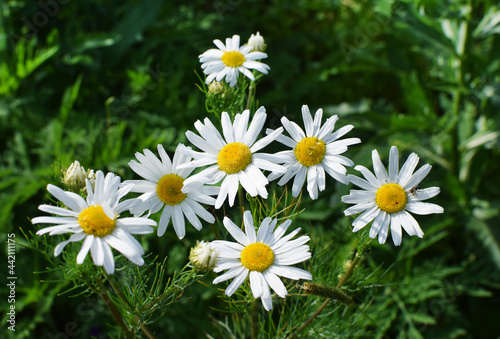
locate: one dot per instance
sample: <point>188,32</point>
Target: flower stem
<point>251,93</point>
<point>255,319</point>
<point>241,198</point>
<point>102,292</point>
<point>327,301</point>
<point>131,307</point>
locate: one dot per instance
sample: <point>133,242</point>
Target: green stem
<point>457,99</point>
<point>255,319</point>
<point>290,207</point>
<point>102,292</point>
<point>215,232</point>
<point>327,301</point>
<point>241,198</point>
<point>251,94</point>
<point>131,308</point>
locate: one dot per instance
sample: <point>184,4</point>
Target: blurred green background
<point>97,81</point>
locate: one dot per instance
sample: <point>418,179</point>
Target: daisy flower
<point>230,59</point>
<point>233,158</point>
<point>387,198</point>
<point>264,256</point>
<point>313,153</point>
<point>97,222</point>
<point>163,189</point>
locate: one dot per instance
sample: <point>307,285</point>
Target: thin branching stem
<point>131,307</point>
<point>327,301</point>
<point>102,292</point>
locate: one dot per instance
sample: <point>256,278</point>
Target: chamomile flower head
<point>229,60</point>
<point>233,157</point>
<point>387,198</point>
<point>314,152</point>
<point>263,255</point>
<point>96,220</point>
<point>163,189</point>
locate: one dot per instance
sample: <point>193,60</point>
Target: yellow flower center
<point>169,189</point>
<point>233,59</point>
<point>257,257</point>
<point>310,151</point>
<point>234,157</point>
<point>94,221</point>
<point>391,198</point>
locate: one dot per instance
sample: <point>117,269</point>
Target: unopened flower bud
<point>203,256</point>
<point>74,177</point>
<point>327,292</point>
<point>257,43</point>
<point>216,87</point>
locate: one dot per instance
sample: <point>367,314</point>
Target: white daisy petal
<point>227,264</point>
<point>257,283</point>
<point>97,252</point>
<point>312,182</point>
<point>233,272</point>
<point>379,222</point>
<point>361,183</point>
<point>418,176</point>
<point>382,234</point>
<point>241,125</point>
<point>293,129</point>
<point>267,300</point>
<point>255,126</point>
<point>407,169</point>
<point>424,194</point>
<point>75,237</point>
<point>308,121</point>
<point>396,232</point>
<point>87,243</point>
<point>70,199</point>
<point>263,230</point>
<point>166,215</point>
<point>236,283</point>
<point>266,140</point>
<point>109,262</point>
<point>393,164</point>
<point>365,218</point>
<point>406,223</point>
<point>287,141</point>
<point>227,128</point>
<point>53,220</point>
<point>275,283</point>
<point>58,210</point>
<point>328,127</point>
<point>235,232</point>
<point>178,222</point>
<point>290,272</point>
<point>379,168</point>
<point>298,182</point>
<point>409,221</point>
<point>249,227</point>
<point>247,184</point>
<point>423,208</point>
<point>361,207</point>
